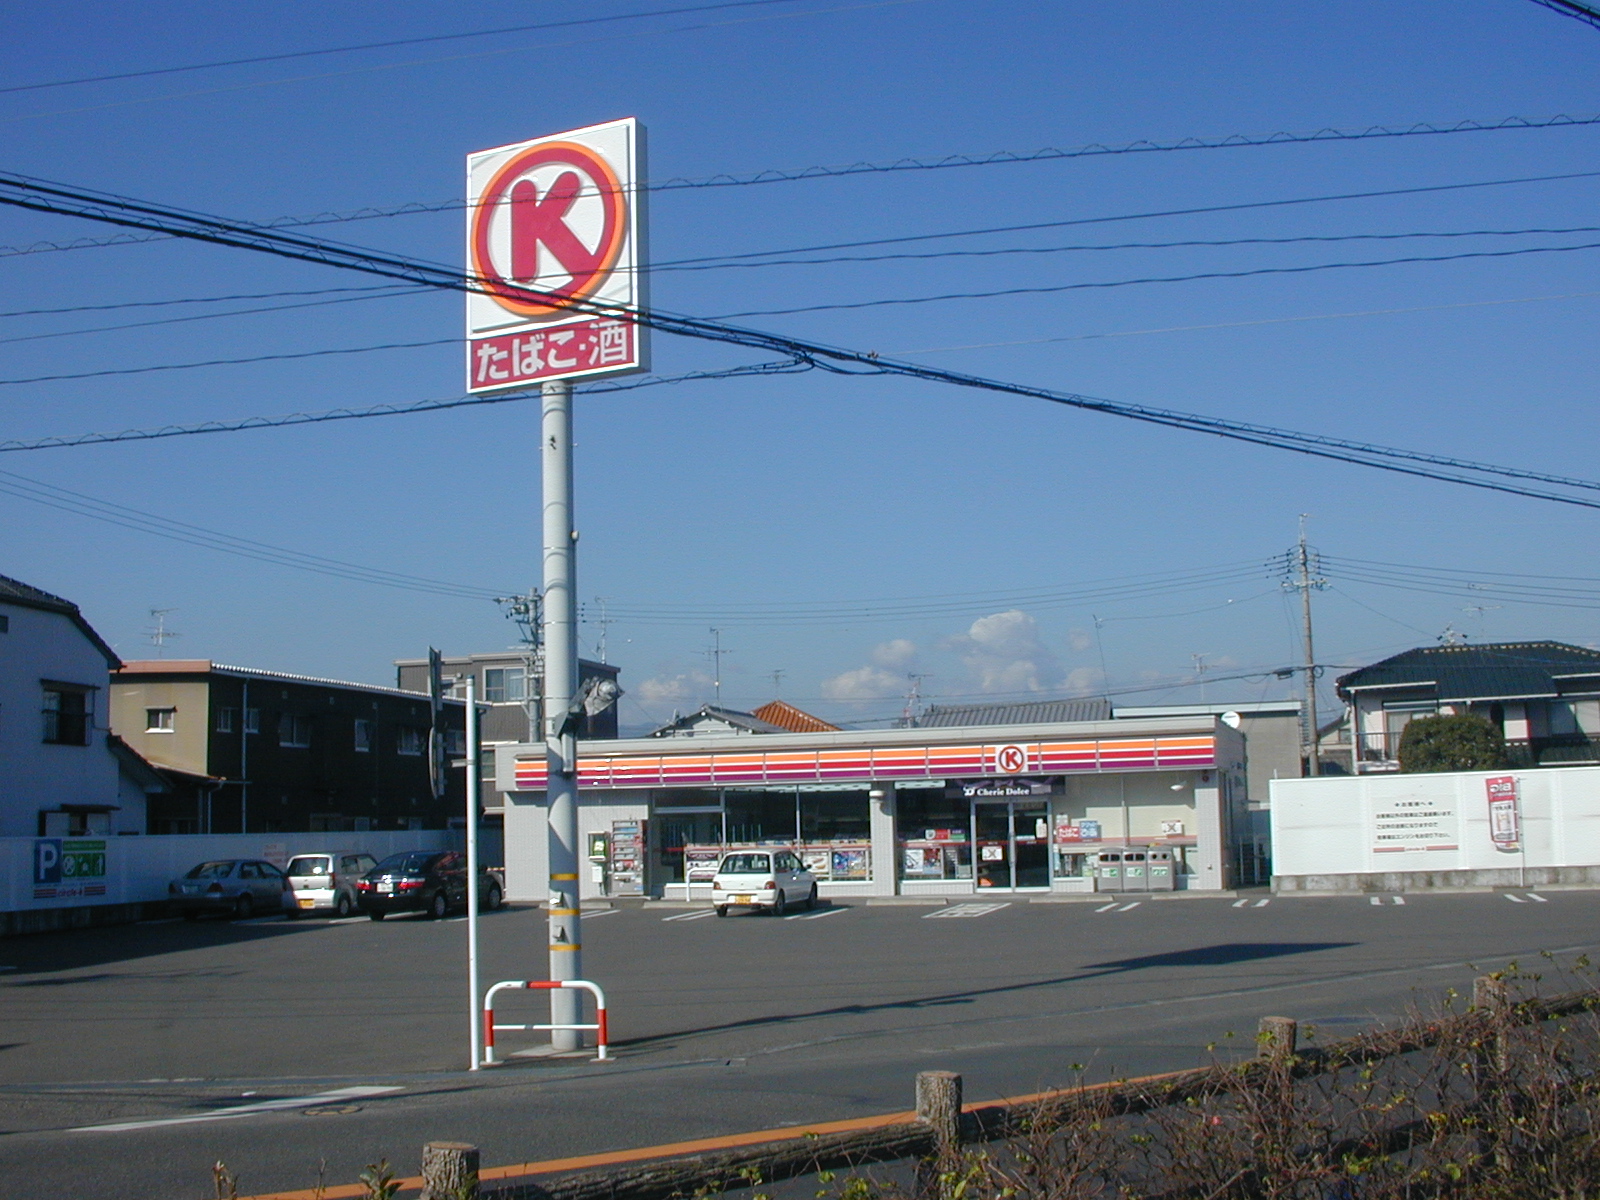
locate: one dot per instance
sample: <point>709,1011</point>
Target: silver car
<point>325,882</point>
<point>240,886</point>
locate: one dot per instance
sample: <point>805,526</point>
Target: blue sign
<point>47,860</point>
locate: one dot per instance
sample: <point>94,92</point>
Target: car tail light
<point>769,886</point>
<point>411,883</point>
<point>364,885</point>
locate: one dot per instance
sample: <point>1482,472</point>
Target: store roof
<point>14,591</point>
<point>1503,670</point>
<point>795,720</point>
<point>1033,712</point>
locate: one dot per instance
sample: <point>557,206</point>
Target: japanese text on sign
<point>563,350</point>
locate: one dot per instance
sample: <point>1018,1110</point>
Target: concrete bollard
<point>449,1171</point>
<point>1277,1037</point>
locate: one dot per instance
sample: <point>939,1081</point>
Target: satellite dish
<point>1232,720</point>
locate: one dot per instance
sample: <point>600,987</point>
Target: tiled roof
<point>14,591</point>
<point>1504,670</point>
<point>787,716</point>
<point>1032,712</point>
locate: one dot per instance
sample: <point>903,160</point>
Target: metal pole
<point>560,682</point>
<point>474,1017</point>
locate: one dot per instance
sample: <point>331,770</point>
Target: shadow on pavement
<point>1201,956</point>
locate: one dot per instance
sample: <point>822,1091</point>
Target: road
<point>353,1035</point>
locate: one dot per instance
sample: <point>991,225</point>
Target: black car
<point>430,881</point>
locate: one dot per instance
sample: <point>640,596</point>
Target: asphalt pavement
<point>133,1058</point>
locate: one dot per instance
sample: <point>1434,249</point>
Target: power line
<point>416,41</point>
<point>1571,8</point>
<point>328,218</point>
<point>1100,285</point>
<point>83,505</point>
<point>41,196</point>
<point>229,362</point>
<point>386,294</point>
<point>77,308</point>
<point>382,410</point>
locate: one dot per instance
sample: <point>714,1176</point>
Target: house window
<point>411,740</point>
<point>252,720</point>
<point>68,714</point>
<point>363,736</point>
<point>5,623</point>
<point>160,720</point>
<point>486,765</point>
<point>455,742</point>
<point>227,720</point>
<point>503,685</point>
<point>294,730</point>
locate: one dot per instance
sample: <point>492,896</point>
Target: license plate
<point>308,904</point>
<point>744,899</point>
<point>386,889</point>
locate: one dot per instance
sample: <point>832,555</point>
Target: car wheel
<point>439,907</point>
<point>291,912</point>
<point>491,899</point>
<point>811,900</point>
<point>191,914</point>
<point>243,907</point>
<point>780,905</point>
<point>722,910</point>
<point>376,916</point>
<point>341,909</point>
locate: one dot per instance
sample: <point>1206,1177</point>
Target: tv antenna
<point>160,634</point>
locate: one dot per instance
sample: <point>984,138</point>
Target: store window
<point>933,829</point>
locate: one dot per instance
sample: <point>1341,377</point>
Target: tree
<point>1451,743</point>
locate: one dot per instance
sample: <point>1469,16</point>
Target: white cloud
<point>1004,653</point>
<point>863,683</point>
<point>898,654</point>
<point>1084,681</point>
<point>669,689</point>
<point>1080,639</point>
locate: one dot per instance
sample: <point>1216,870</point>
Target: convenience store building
<point>1035,808</point>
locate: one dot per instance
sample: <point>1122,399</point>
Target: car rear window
<point>745,864</point>
<point>413,863</point>
<point>309,864</point>
<point>211,870</point>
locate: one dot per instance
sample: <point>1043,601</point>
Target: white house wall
<point>35,775</point>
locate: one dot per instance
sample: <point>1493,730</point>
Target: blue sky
<point>847,532</point>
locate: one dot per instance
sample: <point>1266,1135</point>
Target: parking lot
<point>273,1044</point>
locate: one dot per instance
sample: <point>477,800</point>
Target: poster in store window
<point>818,862</point>
<point>700,863</point>
<point>850,864</point>
<point>924,862</point>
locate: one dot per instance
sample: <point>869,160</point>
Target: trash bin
<point>1161,872</point>
<point>1108,871</point>
<point>1134,878</point>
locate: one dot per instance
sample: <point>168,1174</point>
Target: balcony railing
<point>1380,751</point>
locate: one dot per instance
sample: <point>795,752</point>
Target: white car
<point>769,879</point>
<point>325,881</point>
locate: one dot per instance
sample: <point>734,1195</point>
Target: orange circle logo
<point>555,213</point>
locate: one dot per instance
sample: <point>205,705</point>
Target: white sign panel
<point>1415,822</point>
<point>553,234</point>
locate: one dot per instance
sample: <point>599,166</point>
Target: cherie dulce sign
<point>554,240</point>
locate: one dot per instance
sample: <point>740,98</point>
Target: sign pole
<point>560,685</point>
<point>474,1017</point>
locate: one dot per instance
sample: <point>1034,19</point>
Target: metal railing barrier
<point>547,985</point>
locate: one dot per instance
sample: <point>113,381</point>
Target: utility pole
<point>777,681</point>
<point>1303,582</point>
<point>912,710</point>
<point>560,686</point>
<point>716,665</point>
<point>603,622</point>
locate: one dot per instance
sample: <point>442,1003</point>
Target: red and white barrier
<point>548,985</point>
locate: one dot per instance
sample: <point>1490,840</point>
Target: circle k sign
<point>1010,760</point>
<point>553,237</point>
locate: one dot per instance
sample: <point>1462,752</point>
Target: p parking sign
<point>66,869</point>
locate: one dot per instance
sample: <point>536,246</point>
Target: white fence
<point>43,873</point>
<point>1429,830</point>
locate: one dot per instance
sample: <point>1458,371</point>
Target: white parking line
<point>818,915</point>
<point>1262,903</point>
<point>691,916</point>
<point>1398,899</point>
<point>1240,903</point>
<point>600,912</point>
<point>1534,896</point>
<point>1106,907</point>
<point>243,1110</point>
<point>1392,899</point>
<point>965,910</point>
<point>1515,899</point>
<point>1126,907</point>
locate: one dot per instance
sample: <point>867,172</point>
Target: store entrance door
<point>1012,843</point>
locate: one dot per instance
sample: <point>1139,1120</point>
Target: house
<point>61,773</point>
<point>254,751</point>
<point>713,721</point>
<point>786,716</point>
<point>1543,696</point>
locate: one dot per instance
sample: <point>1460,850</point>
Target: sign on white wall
<point>1505,819</point>
<point>558,216</point>
<point>1414,822</point>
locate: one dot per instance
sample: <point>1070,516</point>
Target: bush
<point>1458,743</point>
